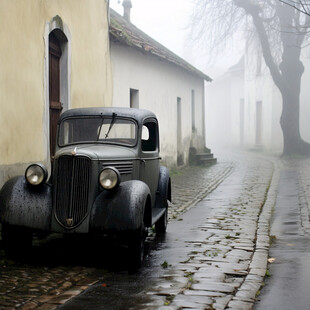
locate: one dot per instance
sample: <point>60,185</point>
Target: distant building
<point>54,55</point>
<point>263,105</point>
<point>249,105</point>
<point>148,75</point>
<point>225,103</point>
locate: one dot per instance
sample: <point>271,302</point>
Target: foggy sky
<point>168,22</point>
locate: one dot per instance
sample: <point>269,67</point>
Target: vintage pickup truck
<point>106,179</point>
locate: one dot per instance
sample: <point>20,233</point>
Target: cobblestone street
<point>226,263</point>
<point>27,287</point>
<point>213,257</point>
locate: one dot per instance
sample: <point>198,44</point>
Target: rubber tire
<point>15,240</point>
<point>161,224</point>
<point>136,246</point>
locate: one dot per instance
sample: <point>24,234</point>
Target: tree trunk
<point>292,70</point>
<point>292,142</point>
<point>288,78</point>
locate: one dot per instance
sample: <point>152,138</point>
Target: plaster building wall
<point>305,97</point>
<point>161,87</point>
<point>224,107</point>
<point>260,87</point>
<point>262,114</point>
<point>218,113</point>
<point>259,102</point>
<point>262,106</point>
<point>24,88</point>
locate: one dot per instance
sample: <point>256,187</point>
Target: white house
<point>225,123</point>
<point>263,105</point>
<point>264,102</point>
<point>148,75</point>
<point>244,105</point>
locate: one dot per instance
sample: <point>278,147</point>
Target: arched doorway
<point>55,105</point>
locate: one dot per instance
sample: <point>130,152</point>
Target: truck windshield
<point>97,130</point>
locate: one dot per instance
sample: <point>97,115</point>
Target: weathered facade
<point>54,55</point>
<point>148,75</point>
<point>225,123</point>
<point>251,105</point>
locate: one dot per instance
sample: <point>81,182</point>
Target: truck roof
<point>138,114</point>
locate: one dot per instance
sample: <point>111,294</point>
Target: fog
<point>169,23</point>
<point>243,103</point>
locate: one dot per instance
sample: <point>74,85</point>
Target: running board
<point>156,214</point>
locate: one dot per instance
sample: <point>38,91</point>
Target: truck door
<point>150,155</point>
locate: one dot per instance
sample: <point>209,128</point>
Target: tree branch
<point>253,10</point>
<point>293,5</point>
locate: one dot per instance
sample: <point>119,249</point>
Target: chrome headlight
<point>109,178</point>
<point>36,174</point>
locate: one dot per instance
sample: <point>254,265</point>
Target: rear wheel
<point>163,195</point>
<point>161,224</point>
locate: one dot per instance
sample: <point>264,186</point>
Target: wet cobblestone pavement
<point>226,256</point>
<point>213,257</point>
<point>27,286</point>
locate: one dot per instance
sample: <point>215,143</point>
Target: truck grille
<point>125,167</point>
<point>71,197</point>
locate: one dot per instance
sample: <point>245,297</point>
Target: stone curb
<point>238,280</point>
<point>250,288</point>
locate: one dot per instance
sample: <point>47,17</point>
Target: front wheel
<point>15,239</point>
<point>136,245</point>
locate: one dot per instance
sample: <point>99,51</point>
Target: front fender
<point>122,209</point>
<point>163,188</point>
<point>24,205</point>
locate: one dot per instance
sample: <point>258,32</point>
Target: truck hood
<point>98,152</point>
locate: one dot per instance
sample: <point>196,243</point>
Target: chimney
<point>127,6</point>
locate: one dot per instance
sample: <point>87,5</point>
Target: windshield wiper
<point>111,125</point>
<point>102,119</point>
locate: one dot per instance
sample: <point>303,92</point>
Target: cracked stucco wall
<point>23,78</point>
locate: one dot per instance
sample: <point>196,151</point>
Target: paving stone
<point>249,294</point>
<point>193,292</point>
<point>47,307</point>
<point>192,302</point>
<point>29,305</point>
<point>258,272</point>
<point>200,275</point>
<point>229,233</point>
<point>214,286</point>
<point>222,302</point>
<point>239,305</point>
<point>61,299</point>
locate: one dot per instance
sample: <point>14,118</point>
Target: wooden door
<point>54,89</point>
<point>180,159</point>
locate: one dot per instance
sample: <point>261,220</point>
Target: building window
<point>241,121</point>
<point>180,156</point>
<point>259,64</point>
<point>193,111</point>
<point>134,98</point>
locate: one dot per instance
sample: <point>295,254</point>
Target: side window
<point>149,137</point>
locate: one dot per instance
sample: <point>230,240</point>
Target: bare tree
<point>282,30</point>
<point>301,5</point>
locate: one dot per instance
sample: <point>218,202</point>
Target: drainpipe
<point>127,6</point>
